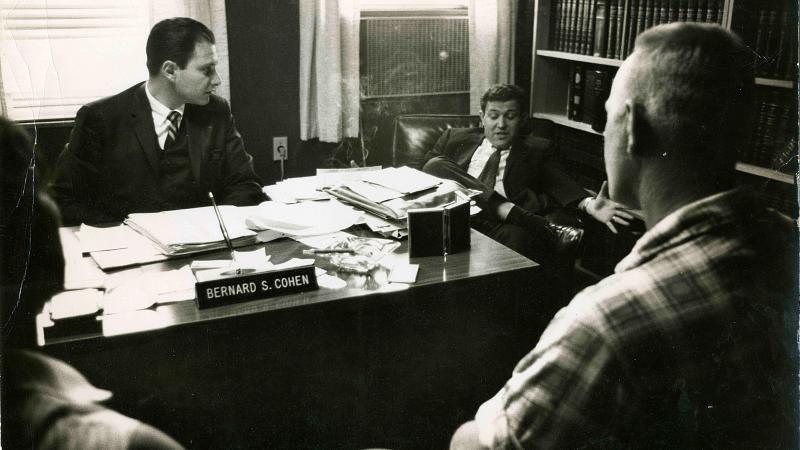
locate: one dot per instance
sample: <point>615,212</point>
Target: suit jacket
<point>110,167</point>
<point>532,179</point>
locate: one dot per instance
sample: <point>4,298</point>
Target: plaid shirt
<point>683,347</point>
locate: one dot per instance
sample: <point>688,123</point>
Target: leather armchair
<point>415,134</point>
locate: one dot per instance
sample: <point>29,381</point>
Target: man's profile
<point>162,144</point>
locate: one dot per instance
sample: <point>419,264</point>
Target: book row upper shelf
<point>603,32</point>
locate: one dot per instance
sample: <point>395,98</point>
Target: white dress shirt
<point>479,159</point>
<point>160,113</point>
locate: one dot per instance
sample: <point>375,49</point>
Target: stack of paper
<point>294,190</point>
<point>192,230</point>
<point>301,219</point>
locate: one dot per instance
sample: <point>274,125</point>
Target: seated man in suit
<point>162,144</point>
<point>518,176</point>
<point>692,342</point>
<point>46,403</point>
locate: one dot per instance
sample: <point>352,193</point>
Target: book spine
<point>711,11</point>
<point>580,46</point>
<point>575,100</point>
<point>700,15</point>
<point>595,94</point>
<point>562,35</point>
<point>691,11</point>
<point>648,15</point>
<point>682,10</point>
<point>573,25</point>
<point>674,6</point>
<point>620,29</point>
<point>631,23</point>
<point>720,11</point>
<point>555,28</point>
<point>586,32</point>
<point>641,22</point>
<point>611,7</point>
<point>601,29</point>
<point>663,15</point>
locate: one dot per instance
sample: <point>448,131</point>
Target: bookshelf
<point>566,43</point>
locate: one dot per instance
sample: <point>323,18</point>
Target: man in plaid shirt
<point>692,342</point>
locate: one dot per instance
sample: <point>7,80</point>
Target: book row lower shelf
<point>751,169</point>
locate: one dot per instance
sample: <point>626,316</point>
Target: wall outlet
<point>280,148</point>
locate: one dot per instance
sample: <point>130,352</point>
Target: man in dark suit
<point>519,179</point>
<point>159,145</point>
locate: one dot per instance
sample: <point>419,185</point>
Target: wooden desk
<point>373,364</point>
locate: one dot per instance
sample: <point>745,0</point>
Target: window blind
<point>56,55</point>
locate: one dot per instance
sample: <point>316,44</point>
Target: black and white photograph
<point>399,224</point>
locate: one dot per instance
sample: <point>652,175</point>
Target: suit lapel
<point>197,134</point>
<point>467,150</point>
<point>142,116</point>
<point>514,164</point>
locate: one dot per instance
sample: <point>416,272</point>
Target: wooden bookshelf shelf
<point>563,120</point>
<point>580,58</point>
<point>786,84</point>
<point>764,172</point>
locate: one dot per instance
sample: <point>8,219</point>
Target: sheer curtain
<point>329,83</point>
<point>491,46</point>
<point>56,55</point>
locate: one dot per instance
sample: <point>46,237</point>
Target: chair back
<point>415,134</point>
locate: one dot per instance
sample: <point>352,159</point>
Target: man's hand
<point>607,211</point>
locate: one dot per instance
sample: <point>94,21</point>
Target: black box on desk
<point>436,231</point>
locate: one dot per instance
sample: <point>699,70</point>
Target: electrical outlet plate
<point>280,148</point>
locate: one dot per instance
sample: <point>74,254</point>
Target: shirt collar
<point>489,145</point>
<point>688,222</point>
<point>159,108</point>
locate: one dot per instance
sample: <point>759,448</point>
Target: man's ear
<point>634,128</point>
<point>169,68</point>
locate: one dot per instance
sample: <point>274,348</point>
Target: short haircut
<point>30,249</point>
<point>174,40</point>
<point>503,93</point>
<point>696,85</point>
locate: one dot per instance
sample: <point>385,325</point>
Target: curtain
<point>329,83</point>
<point>491,46</point>
<point>212,14</point>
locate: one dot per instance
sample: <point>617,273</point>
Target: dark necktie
<point>488,175</point>
<point>172,128</point>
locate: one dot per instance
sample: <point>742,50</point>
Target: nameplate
<point>224,289</point>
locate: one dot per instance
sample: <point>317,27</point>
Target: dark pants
<point>534,242</point>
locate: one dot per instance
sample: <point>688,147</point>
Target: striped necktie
<point>172,129</point>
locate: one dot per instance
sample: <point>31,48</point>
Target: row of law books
<point>769,27</point>
<point>608,28</point>
<point>774,143</point>
<point>587,93</point>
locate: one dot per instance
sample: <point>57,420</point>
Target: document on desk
<point>404,180</point>
<point>301,219</point>
<point>141,290</point>
<point>96,239</point>
<point>140,250</point>
<point>185,231</point>
<point>293,190</point>
<point>335,177</point>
